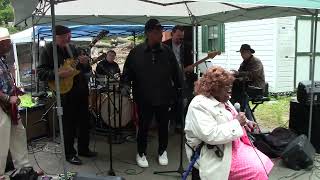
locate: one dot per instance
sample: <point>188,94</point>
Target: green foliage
<point>6,12</point>
<point>273,113</point>
<point>139,38</point>
<point>13,30</point>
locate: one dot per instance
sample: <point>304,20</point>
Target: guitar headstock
<point>99,58</point>
<point>213,54</point>
<point>98,38</point>
<point>101,35</point>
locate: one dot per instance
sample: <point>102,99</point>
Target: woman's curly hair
<point>214,79</point>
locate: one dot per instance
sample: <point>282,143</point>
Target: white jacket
<point>207,120</point>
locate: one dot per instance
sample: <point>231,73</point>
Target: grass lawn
<point>273,113</point>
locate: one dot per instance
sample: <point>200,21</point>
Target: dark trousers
<point>195,174</point>
<point>181,106</point>
<point>239,95</point>
<point>146,113</point>
<point>175,114</point>
<point>75,117</point>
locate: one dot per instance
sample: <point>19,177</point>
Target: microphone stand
<point>180,102</point>
<point>181,77</point>
<point>111,171</point>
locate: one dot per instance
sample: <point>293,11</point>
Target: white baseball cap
<point>4,34</point>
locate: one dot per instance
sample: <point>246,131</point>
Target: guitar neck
<point>199,62</point>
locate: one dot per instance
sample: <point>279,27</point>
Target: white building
<point>272,39</point>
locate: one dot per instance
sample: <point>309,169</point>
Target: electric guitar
<point>66,84</point>
<point>11,109</point>
<point>210,55</point>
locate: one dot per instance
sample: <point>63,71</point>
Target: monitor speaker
<point>299,121</point>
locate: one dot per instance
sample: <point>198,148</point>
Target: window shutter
<point>204,31</point>
<point>222,37</point>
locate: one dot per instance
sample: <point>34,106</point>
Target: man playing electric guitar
<point>184,55</point>
<point>74,102</point>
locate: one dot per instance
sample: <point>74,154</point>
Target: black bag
<point>26,173</point>
<point>273,144</point>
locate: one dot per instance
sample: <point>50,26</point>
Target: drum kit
<point>111,109</point>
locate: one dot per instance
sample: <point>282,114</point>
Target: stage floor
<point>47,155</point>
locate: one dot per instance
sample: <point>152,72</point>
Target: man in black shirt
<point>75,102</point>
<point>108,66</point>
<point>153,70</point>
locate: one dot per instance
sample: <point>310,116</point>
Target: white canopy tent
<point>75,12</point>
<point>199,12</point>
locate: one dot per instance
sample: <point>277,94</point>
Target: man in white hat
<point>12,134</point>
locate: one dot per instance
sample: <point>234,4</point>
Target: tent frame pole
<point>57,83</point>
<point>313,58</point>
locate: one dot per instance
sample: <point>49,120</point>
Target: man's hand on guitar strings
<point>65,72</point>
<point>83,59</point>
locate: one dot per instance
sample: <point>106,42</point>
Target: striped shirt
<point>6,81</point>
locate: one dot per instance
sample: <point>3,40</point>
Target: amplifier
<point>299,121</point>
<point>304,92</point>
<point>299,153</point>
<point>31,119</point>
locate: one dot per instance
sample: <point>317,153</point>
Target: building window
<point>213,38</point>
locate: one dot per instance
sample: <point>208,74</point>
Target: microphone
<point>237,106</point>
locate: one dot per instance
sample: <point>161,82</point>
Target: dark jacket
<point>253,69</point>
<point>46,68</point>
<point>106,68</point>
<point>186,58</point>
<point>154,74</point>
<point>186,55</point>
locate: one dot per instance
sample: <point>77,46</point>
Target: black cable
<point>34,156</point>
<point>253,147</point>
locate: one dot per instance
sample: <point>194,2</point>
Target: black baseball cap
<point>152,24</point>
<point>61,30</point>
<point>246,47</point>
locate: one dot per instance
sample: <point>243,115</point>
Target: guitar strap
<point>69,51</point>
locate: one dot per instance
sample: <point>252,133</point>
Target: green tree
<point>6,12</point>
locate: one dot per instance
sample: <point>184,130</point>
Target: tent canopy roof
<point>74,12</point>
<point>81,32</point>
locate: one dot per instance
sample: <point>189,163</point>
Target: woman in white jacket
<point>212,119</point>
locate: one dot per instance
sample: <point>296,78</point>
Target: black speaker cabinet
<point>299,153</point>
<point>299,121</point>
<point>31,120</point>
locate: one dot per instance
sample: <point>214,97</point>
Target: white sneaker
<point>163,159</point>
<point>142,161</point>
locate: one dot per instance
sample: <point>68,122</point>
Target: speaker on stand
<point>299,121</point>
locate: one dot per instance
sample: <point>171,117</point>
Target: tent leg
<point>57,83</point>
<point>314,43</point>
